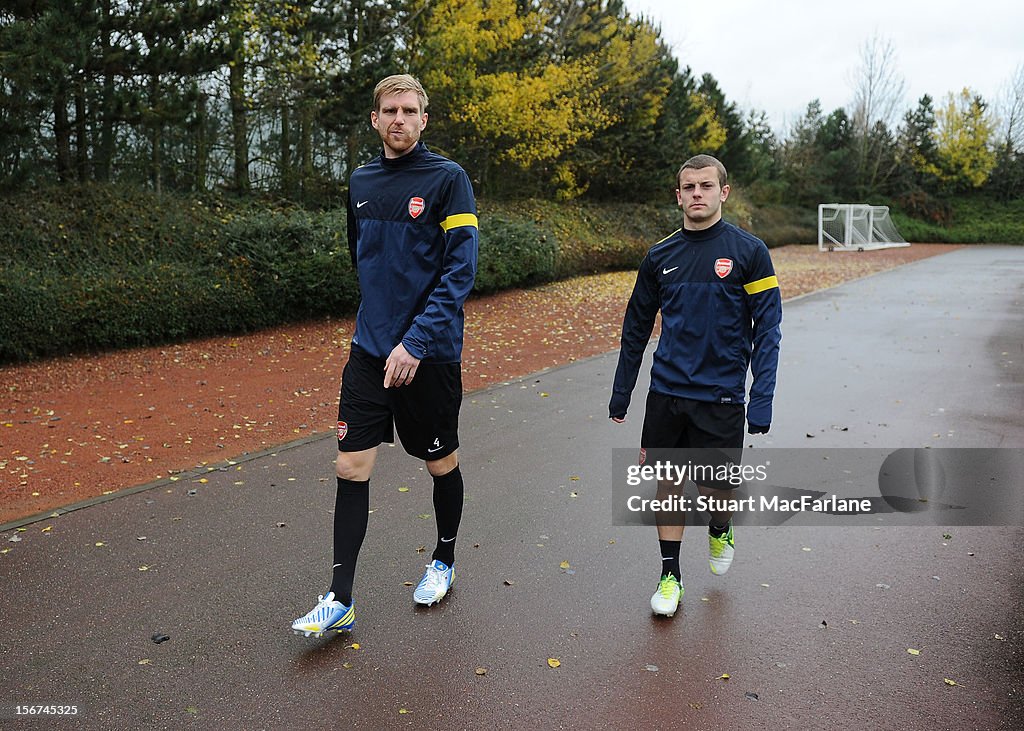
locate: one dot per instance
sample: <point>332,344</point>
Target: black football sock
<point>718,528</point>
<point>448,497</point>
<point>351,513</point>
<point>670,558</point>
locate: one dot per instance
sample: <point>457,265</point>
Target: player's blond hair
<point>399,84</point>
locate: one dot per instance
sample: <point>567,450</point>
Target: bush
<point>297,262</point>
<point>514,254</point>
<point>101,270</point>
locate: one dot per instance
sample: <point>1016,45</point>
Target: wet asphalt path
<point>812,625</point>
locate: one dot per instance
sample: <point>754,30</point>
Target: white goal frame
<point>856,227</point>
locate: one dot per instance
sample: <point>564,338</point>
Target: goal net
<point>856,227</point>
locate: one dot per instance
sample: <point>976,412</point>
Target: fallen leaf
<point>347,665</point>
<point>159,637</point>
<point>481,671</point>
<point>403,711</point>
<point>1000,638</point>
<point>805,548</point>
<point>563,565</point>
<point>912,651</point>
<point>723,676</point>
<point>509,582</point>
<point>143,568</point>
<point>403,489</point>
<point>354,646</point>
<point>100,544</point>
<point>696,706</point>
<point>47,529</point>
<point>553,662</point>
<point>424,516</point>
<point>947,681</point>
<point>651,668</point>
<point>145,661</point>
<point>407,583</point>
<point>750,696</point>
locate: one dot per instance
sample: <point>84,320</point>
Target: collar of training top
<point>396,163</point>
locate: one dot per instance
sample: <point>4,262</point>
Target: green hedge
<point>98,267</point>
<point>514,254</point>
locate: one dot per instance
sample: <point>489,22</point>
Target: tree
<point>729,143</point>
<point>762,146</point>
<point>633,74</point>
<point>1007,178</point>
<point>917,155</point>
<point>964,135</point>
<point>1011,111</point>
<point>801,158</point>
<point>501,107</point>
<point>171,45</point>
<point>877,97</point>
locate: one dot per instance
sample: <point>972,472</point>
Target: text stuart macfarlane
<point>764,503</point>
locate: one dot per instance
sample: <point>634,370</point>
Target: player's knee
<point>354,466</point>
<point>440,467</point>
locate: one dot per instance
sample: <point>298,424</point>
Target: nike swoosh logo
<point>447,540</point>
<point>361,204</point>
<point>435,449</point>
<point>669,271</point>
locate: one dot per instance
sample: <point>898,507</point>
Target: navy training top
<point>412,234</point>
<point>721,313</point>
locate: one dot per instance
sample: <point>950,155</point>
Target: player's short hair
<point>699,162</point>
<point>399,84</point>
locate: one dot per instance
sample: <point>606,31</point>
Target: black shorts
<point>425,412</point>
<point>704,434</point>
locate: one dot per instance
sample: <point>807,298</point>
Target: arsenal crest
<point>416,206</point>
<point>723,267</point>
<point>342,430</point>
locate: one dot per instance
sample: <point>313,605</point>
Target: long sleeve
<point>765,303</point>
<point>461,247</point>
<point>637,326</point>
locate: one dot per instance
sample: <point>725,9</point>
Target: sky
<point>778,56</point>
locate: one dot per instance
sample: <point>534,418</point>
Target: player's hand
<point>757,429</point>
<point>400,368</point>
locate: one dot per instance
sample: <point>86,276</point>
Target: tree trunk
<point>62,135</point>
<point>81,134</point>
<point>286,150</point>
<point>306,144</point>
<point>202,145</point>
<point>156,134</point>
<point>103,159</point>
<point>236,87</point>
